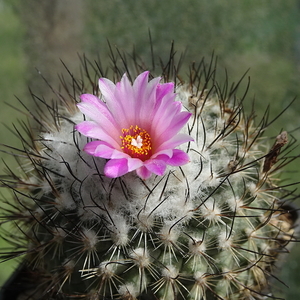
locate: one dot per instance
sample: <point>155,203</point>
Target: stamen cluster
<point>136,142</point>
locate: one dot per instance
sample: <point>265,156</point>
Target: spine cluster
<point>211,229</point>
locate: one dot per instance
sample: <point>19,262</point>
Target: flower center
<point>136,142</point>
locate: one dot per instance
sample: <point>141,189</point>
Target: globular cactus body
<point>208,229</point>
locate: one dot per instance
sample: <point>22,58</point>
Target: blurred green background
<point>261,35</point>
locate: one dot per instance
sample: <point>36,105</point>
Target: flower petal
<point>179,158</point>
<point>167,152</point>
<point>96,110</point>
<point>93,149</point>
<point>156,166</point>
<point>140,85</point>
<point>93,130</point>
<point>173,127</point>
<point>143,173</point>
<point>116,167</point>
<point>134,163</point>
<point>104,150</point>
<point>163,90</point>
<point>145,92</point>
<point>109,91</point>
<point>174,141</point>
<point>165,113</point>
<point>124,94</point>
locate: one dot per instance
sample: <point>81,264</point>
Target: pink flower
<point>136,126</point>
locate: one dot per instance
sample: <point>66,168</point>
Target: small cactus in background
<point>148,188</point>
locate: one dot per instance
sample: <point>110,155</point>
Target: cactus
<point>204,218</point>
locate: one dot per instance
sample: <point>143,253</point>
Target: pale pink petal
<point>156,166</point>
<point>95,109</point>
<point>143,173</point>
<point>125,113</point>
<point>93,149</point>
<point>177,123</point>
<point>91,129</point>
<point>101,120</point>
<point>109,91</point>
<point>102,149</point>
<point>165,113</point>
<point>175,141</point>
<point>167,103</point>
<point>179,158</point>
<point>141,84</point>
<point>92,100</point>
<point>134,163</point>
<point>146,93</point>
<point>167,152</point>
<point>158,111</point>
<point>164,89</point>
<point>116,167</point>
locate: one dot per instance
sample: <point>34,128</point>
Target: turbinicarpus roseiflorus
<point>148,185</point>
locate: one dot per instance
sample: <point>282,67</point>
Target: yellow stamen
<point>136,142</point>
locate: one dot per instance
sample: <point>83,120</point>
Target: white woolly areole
<point>224,241</point>
<point>252,188</point>
<point>235,204</point>
<point>145,221</point>
<point>200,278</point>
<point>64,201</point>
<point>169,234</point>
<point>90,239</point>
<point>59,234</point>
<point>69,265</point>
<point>129,291</point>
<point>106,269</point>
<point>140,257</point>
<point>210,210</point>
<point>119,230</point>
<point>170,272</point>
<point>197,247</point>
<point>38,213</point>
